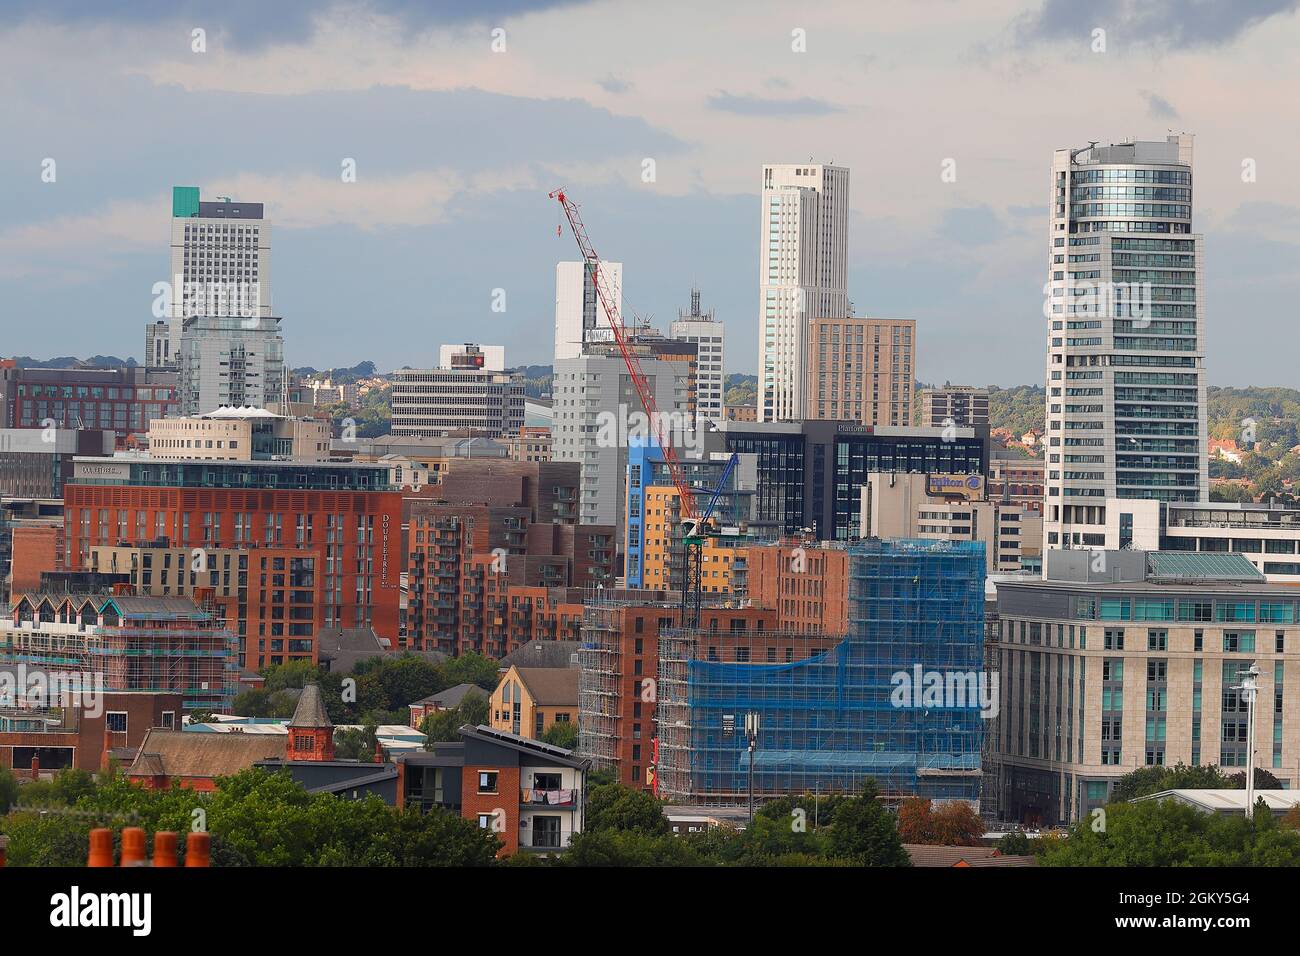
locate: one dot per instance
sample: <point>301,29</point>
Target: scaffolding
<point>829,715</point>
<point>159,645</point>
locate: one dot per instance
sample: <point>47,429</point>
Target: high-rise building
<point>227,360</point>
<point>960,404</point>
<point>579,316</point>
<point>1126,337</point>
<point>220,266</point>
<point>469,389</point>
<point>803,269</point>
<point>860,370</point>
<point>709,336</point>
<point>597,409</point>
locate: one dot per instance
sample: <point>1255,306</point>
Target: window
<point>486,821</point>
<point>115,721</point>
<point>487,781</point>
<point>169,720</point>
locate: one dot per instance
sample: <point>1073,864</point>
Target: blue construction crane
<point>698,531</point>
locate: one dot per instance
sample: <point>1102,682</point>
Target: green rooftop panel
<point>185,201</point>
<point>1203,565</point>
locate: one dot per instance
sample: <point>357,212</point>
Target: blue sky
<point>457,145</point>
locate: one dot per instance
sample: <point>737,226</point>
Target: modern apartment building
<point>469,391</point>
<point>1117,660</point>
<point>960,404</point>
<point>466,560</point>
<point>803,275</point>
<point>220,267</point>
<point>597,410</point>
<point>342,516</point>
<point>709,335</point>
<point>225,361</point>
<point>1126,335</point>
<point>653,541</point>
<point>580,318</point>
<point>861,370</point>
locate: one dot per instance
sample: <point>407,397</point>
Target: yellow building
<point>724,561</point>
<point>530,699</point>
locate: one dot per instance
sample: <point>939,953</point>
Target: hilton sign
<point>970,487</point>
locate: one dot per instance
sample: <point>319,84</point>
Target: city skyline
<point>961,256</point>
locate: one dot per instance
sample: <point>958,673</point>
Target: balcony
<point>529,798</point>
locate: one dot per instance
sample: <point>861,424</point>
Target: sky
<point>657,118</point>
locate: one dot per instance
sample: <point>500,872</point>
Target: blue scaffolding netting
<point>897,698</point>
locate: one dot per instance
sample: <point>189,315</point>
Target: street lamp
<point>1248,694</point>
<point>751,735</point>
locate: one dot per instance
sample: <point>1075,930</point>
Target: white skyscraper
<point>803,268</point>
<point>709,336</point>
<point>220,268</point>
<point>1126,336</point>
<point>579,316</point>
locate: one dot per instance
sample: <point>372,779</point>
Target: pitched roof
<point>452,696</point>
<point>177,753</point>
<point>543,653</point>
<point>310,711</point>
<point>342,648</point>
<point>550,685</point>
<point>924,855</point>
<point>526,745</point>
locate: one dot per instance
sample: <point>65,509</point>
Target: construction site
<point>825,712</point>
<point>125,642</point>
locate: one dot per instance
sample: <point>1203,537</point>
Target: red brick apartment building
<point>620,665</point>
<point>330,534</point>
<point>806,585</point>
<point>479,575</point>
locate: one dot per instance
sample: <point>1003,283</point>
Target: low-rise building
<point>239,434</point>
<point>531,794</point>
<point>529,700</point>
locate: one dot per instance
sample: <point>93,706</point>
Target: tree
<point>471,668</point>
<point>628,848</point>
<point>613,806</point>
<point>444,725</point>
<point>953,824</point>
<point>1145,781</point>
<point>863,832</point>
<point>1170,833</point>
<point>356,744</point>
<point>8,789</point>
<point>562,734</point>
<point>1014,844</point>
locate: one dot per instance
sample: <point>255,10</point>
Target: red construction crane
<point>684,494</point>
